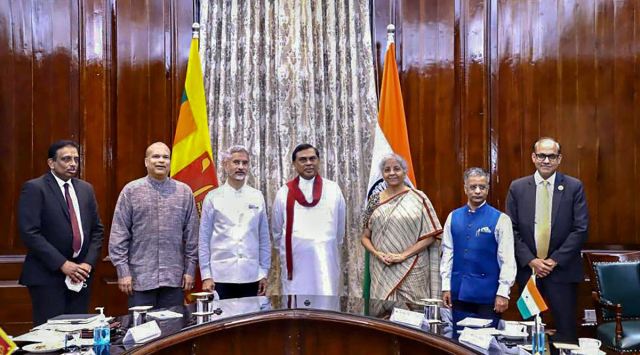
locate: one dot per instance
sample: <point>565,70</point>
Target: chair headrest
<point>619,282</point>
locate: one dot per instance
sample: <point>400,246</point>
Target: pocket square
<point>483,230</point>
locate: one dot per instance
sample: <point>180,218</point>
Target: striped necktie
<point>543,219</point>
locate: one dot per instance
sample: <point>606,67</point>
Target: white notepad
<point>474,322</point>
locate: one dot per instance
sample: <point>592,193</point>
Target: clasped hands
<point>76,272</point>
<point>390,258</point>
<point>542,268</point>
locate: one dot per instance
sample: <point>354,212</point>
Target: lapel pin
<point>560,187</point>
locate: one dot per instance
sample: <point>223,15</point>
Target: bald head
<point>546,156</point>
<point>547,142</point>
<point>154,146</point>
<point>157,159</point>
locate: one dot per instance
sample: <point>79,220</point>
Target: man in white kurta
<point>311,263</point>
<point>234,245</point>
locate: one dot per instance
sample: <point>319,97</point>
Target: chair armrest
<point>603,303</point>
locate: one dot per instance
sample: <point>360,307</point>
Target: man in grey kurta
<point>154,235</point>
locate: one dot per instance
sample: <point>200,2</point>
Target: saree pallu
<point>396,224</point>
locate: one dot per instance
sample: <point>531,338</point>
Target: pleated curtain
<point>283,72</point>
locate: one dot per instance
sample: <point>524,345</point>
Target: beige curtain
<point>283,72</point>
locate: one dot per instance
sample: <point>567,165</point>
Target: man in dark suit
<point>550,219</point>
<point>60,226</point>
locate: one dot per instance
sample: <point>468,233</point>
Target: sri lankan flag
<point>192,160</point>
<point>390,137</point>
<point>6,345</point>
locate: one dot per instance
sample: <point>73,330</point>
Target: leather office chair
<point>615,284</point>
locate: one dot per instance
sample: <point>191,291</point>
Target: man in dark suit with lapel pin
<point>550,219</point>
<point>60,226</point>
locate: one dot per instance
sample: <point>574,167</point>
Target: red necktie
<point>77,243</point>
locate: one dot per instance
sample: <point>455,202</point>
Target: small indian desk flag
<point>530,302</point>
<point>6,345</point>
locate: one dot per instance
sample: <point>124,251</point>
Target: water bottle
<point>101,349</point>
<point>537,338</point>
<point>101,333</point>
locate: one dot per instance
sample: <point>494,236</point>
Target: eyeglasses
<point>474,187</point>
<point>551,157</point>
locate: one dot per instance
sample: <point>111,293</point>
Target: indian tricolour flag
<point>390,135</point>
<point>530,302</point>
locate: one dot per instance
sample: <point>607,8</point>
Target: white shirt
<point>76,206</point>
<point>506,255</point>
<point>234,244</point>
<point>316,240</point>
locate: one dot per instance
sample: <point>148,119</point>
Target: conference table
<point>293,324</point>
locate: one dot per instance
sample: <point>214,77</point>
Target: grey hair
<point>226,155</point>
<point>475,171</point>
<point>396,157</point>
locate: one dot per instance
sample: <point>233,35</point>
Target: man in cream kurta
<point>308,228</point>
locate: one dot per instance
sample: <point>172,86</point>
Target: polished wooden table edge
<point>435,340</point>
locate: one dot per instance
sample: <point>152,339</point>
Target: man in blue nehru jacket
<point>478,265</point>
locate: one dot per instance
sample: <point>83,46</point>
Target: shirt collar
<point>156,182</point>
<point>306,182</point>
<point>538,178</point>
<point>479,207</point>
<point>60,181</point>
<point>229,188</point>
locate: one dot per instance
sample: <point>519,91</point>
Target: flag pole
<point>196,11</point>
<point>195,27</point>
<point>391,34</point>
<point>195,30</point>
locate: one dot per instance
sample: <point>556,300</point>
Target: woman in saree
<point>401,231</point>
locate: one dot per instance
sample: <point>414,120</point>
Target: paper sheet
<point>476,338</point>
<point>474,322</point>
<point>165,314</point>
<point>70,327</point>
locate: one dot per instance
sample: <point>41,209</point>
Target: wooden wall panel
<point>568,69</point>
<point>38,64</point>
<point>425,53</point>
<point>152,48</point>
<point>106,73</point>
<point>39,103</point>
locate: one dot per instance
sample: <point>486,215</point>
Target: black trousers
<point>229,290</point>
<point>162,297</point>
<point>562,299</point>
<point>49,301</point>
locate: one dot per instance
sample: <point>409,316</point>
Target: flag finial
<point>391,31</point>
<point>195,28</point>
